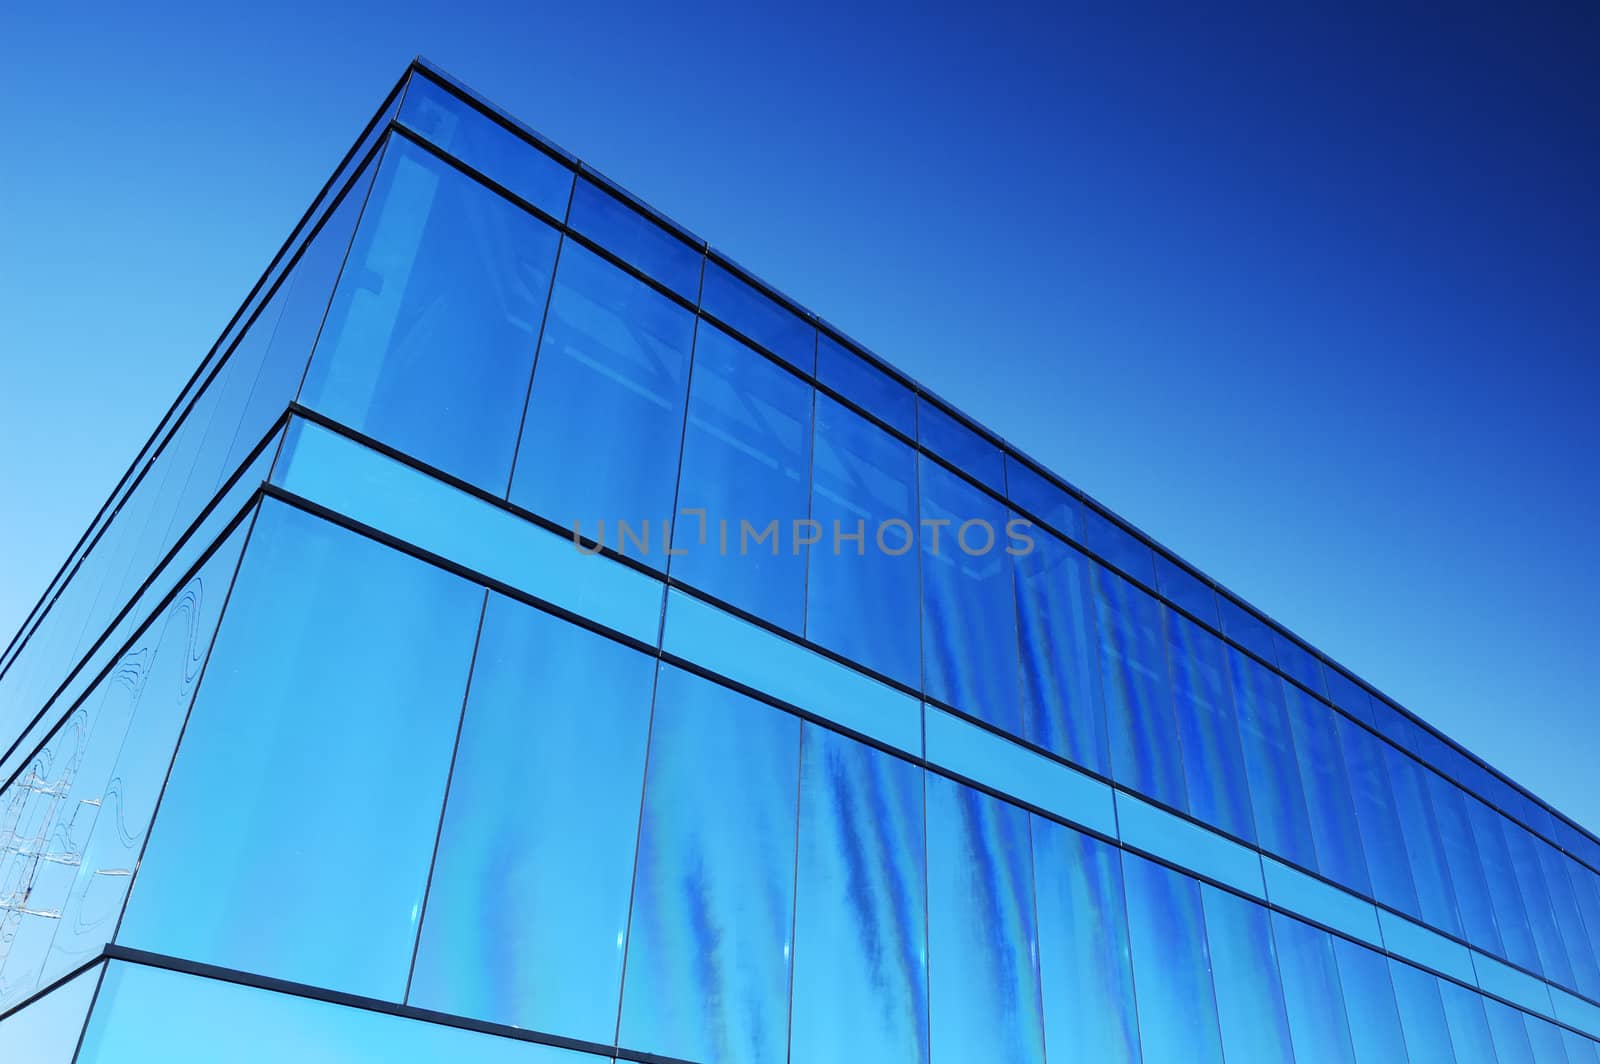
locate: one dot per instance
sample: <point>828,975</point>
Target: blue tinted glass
<point>1347,694</point>
<point>1061,707</point>
<point>1084,967</point>
<point>636,239</point>
<point>1466,868</point>
<point>860,948</point>
<point>1244,970</point>
<point>1177,1017</point>
<point>486,145</point>
<point>1510,1033</point>
<point>708,943</point>
<point>1524,852</point>
<point>758,317</point>
<point>1586,891</point>
<point>1545,1038</point>
<point>866,385</point>
<point>1188,590</point>
<point>1375,813</point>
<point>1334,827</point>
<point>153,1016</point>
<point>1421,1014</point>
<point>1139,717</point>
<point>1245,628</point>
<point>47,1031</point>
<point>605,416</point>
<point>959,444</point>
<point>529,900</point>
<point>344,663</point>
<point>1375,1031</point>
<point>969,626</point>
<point>1580,1050</point>
<point>1314,994</point>
<point>1186,844</point>
<point>1282,824</point>
<point>982,980</point>
<point>1469,1027</point>
<point>1299,663</point>
<point>1564,907</point>
<point>1043,498</point>
<point>1212,757</point>
<point>430,338</point>
<point>861,582</point>
<point>1118,546</point>
<point>747,469</point>
<point>1429,870</point>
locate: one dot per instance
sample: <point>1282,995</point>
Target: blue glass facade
<point>529,637</point>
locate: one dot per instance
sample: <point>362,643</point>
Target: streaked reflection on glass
<point>1422,1015</point>
<point>1061,705</point>
<point>1375,1031</point>
<point>1312,991</point>
<point>1145,754</point>
<point>1244,971</point>
<point>1171,969</point>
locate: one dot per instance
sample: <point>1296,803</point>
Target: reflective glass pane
<point>1213,760</point>
<point>1545,1038</point>
<point>47,1031</point>
<point>1429,869</point>
<point>1313,991</point>
<point>636,238</point>
<point>1245,628</point>
<point>982,980</point>
<point>1061,705</point>
<point>969,624</point>
<point>1119,546</point>
<point>1375,1031</point>
<point>1046,500</point>
<point>1282,823</point>
<point>866,385</point>
<point>1511,1045</point>
<point>486,145</point>
<point>861,580</point>
<point>1466,869</point>
<point>1335,829</point>
<point>430,339</point>
<point>1422,1015</point>
<point>605,416</point>
<point>1244,970</point>
<point>860,946</point>
<point>960,444</point>
<point>1564,908</point>
<point>1298,662</point>
<point>1187,589</point>
<point>1524,850</point>
<point>1580,1050</point>
<point>1510,913</point>
<point>747,466</point>
<point>757,316</point>
<point>1469,1027</point>
<point>344,663</point>
<point>1381,840</point>
<point>1145,754</point>
<point>708,942</point>
<point>529,900</point>
<point>1347,694</point>
<point>1085,971</point>
<point>1171,976</point>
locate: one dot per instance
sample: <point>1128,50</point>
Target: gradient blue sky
<point>1313,298</point>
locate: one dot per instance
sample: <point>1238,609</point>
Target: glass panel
<point>1187,589</point>
<point>47,1031</point>
<point>861,580</point>
<point>1335,830</point>
<point>1061,707</point>
<point>430,338</point>
<point>969,627</point>
<point>1298,662</point>
<point>1244,971</point>
<point>860,962</point>
<point>1084,968</point>
<point>1184,843</point>
<point>1347,694</point>
<point>1421,1014</point>
<point>1171,976</point>
<point>1376,816</point>
<point>982,941</point>
<point>1375,1031</point>
<point>1545,1037</point>
<point>342,663</point>
<point>866,385</point>
<point>1212,757</point>
<point>1032,491</point>
<point>1564,908</point>
<point>1425,946</point>
<point>708,942</point>
<point>636,239</point>
<point>605,417</point>
<point>1579,1049</point>
<point>1282,823</point>
<point>152,1016</point>
<point>1469,1027</point>
<point>1145,754</point>
<point>486,145</point>
<point>1524,851</point>
<point>1313,992</point>
<point>739,304</point>
<point>1512,984</point>
<point>1586,891</point>
<point>747,466</point>
<point>1245,628</point>
<point>958,443</point>
<point>1511,1045</point>
<point>1321,902</point>
<point>1119,546</point>
<point>529,900</point>
<point>1466,869</point>
<point>1429,870</point>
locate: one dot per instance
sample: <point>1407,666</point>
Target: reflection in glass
<point>865,385</point>
<point>1030,490</point>
<point>47,1030</point>
<point>1283,826</point>
<point>1429,868</point>
<point>1171,968</point>
<point>1466,867</point>
<point>1375,1031</point>
<point>1336,832</point>
<point>757,316</point>
<point>1145,754</point>
<point>636,239</point>
<point>1421,1014</point>
<point>982,979</point>
<point>1377,817</point>
<point>1469,1027</point>
<point>708,943</point>
<point>1213,760</point>
<point>1244,971</point>
<point>529,899</point>
<point>860,960</point>
<point>960,444</point>
<point>1061,706</point>
<point>1510,915</point>
<point>1510,1033</point>
<point>1313,992</point>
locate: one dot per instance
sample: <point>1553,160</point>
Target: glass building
<point>837,730</point>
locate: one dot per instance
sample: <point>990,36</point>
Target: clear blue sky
<point>1314,298</point>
